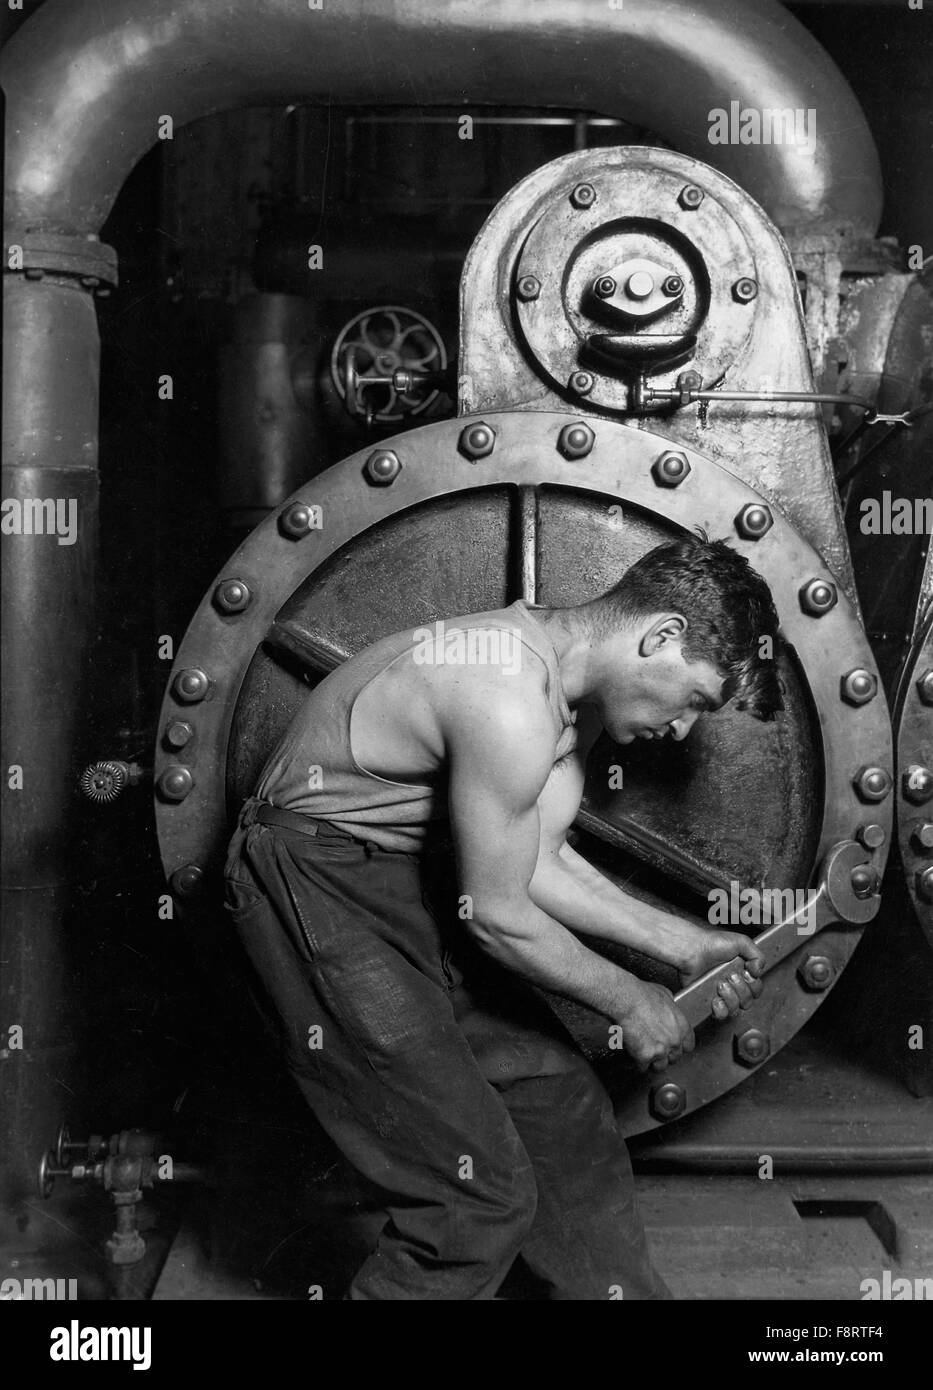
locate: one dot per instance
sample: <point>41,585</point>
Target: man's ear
<point>670,628</point>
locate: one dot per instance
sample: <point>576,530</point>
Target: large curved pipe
<point>86,84</point>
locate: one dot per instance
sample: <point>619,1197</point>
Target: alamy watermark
<point>749,125</point>
<point>896,516</point>
<point>761,907</point>
<point>473,646</point>
<point>40,516</point>
<point>38,1290</point>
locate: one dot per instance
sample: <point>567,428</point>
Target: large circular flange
<point>622,465</point>
<point>914,723</point>
<point>571,247</point>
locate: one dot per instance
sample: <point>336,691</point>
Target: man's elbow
<point>499,929</point>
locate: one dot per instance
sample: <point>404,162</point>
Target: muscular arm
<point>570,889</point>
<point>499,756</point>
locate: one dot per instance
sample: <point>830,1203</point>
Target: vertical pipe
<point>50,393</point>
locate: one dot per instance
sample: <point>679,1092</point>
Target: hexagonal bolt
<point>668,1101</point>
<point>858,687</point>
<point>604,287</point>
<point>921,834</point>
<point>925,884</point>
<point>175,783</point>
<point>816,973</point>
<point>690,197</point>
<point>754,521</point>
<point>818,596</point>
<point>382,467</point>
<point>864,881</point>
<point>872,783</point>
<point>575,441</point>
<point>186,881</point>
<point>295,521</point>
<point>751,1047</point>
<point>670,469</point>
<point>917,783</point>
<point>745,290</point>
<point>581,383</point>
<point>583,196</point>
<point>178,733</point>
<point>871,835</point>
<point>477,441</point>
<point>672,286</point>
<point>528,288</point>
<point>190,685</point>
<point>232,596</point>
<point>925,687</point>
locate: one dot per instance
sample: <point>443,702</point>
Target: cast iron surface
<point>452,535</point>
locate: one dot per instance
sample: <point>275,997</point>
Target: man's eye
<point>699,703</point>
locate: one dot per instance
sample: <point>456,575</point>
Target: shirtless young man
<point>401,878</point>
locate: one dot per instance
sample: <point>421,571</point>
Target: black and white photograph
<point>413,412</point>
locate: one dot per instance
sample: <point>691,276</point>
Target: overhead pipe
<point>86,85</point>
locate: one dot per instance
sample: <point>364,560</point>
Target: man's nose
<point>681,727</point>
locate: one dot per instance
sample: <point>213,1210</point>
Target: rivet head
<point>864,880</point>
<point>575,441</point>
<point>581,383</point>
<point>232,596</point>
<point>175,783</point>
<point>745,290</point>
<point>872,783</point>
<point>186,881</point>
<point>925,884</point>
<point>754,521</point>
<point>816,973</point>
<point>817,597</point>
<point>604,287</point>
<point>178,733</point>
<point>477,441</point>
<point>528,288</point>
<point>668,1101</point>
<point>858,687</point>
<point>190,685</point>
<point>382,467</point>
<point>751,1047</point>
<point>917,783</point>
<point>922,834</point>
<point>672,286</point>
<point>871,835</point>
<point>670,469</point>
<point>690,197</point>
<point>583,196</point>
<point>296,520</point>
<point>925,687</point>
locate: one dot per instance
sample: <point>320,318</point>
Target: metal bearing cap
<point>503,526</point>
<point>649,248</point>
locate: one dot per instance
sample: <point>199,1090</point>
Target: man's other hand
<point>743,986</point>
<point>654,1031</point>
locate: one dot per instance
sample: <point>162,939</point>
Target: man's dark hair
<point>728,608</point>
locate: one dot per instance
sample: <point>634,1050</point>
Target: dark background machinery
<point>269,255</point>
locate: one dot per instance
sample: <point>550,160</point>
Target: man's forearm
<point>572,891</point>
<point>533,945</point>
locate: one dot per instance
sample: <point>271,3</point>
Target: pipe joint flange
<point>37,254</point>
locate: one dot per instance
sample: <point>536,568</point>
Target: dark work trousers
<point>440,1076</point>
